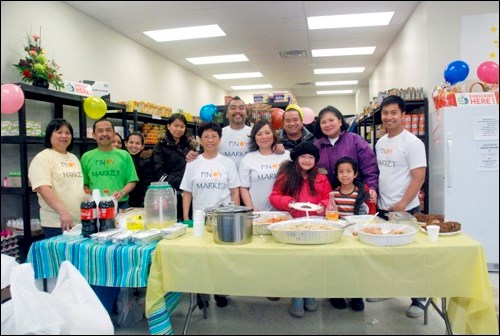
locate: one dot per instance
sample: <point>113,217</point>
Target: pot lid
<point>228,208</point>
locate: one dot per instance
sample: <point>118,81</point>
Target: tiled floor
<point>259,316</point>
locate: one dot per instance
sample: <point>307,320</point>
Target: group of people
<point>257,166</point>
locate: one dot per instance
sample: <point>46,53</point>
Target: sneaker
<point>310,304</point>
<point>357,304</point>
<point>338,303</point>
<point>416,309</point>
<point>297,307</point>
<point>221,300</point>
<point>273,298</point>
<point>376,299</point>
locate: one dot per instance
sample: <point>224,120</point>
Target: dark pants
<point>50,232</point>
<point>107,295</point>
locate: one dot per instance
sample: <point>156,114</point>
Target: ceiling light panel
<point>218,59</point>
<point>342,51</point>
<point>332,83</point>
<point>252,87</point>
<point>186,33</point>
<point>334,92</point>
<point>238,75</point>
<point>338,70</point>
<point>349,20</point>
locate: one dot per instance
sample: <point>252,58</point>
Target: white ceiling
<point>260,30</point>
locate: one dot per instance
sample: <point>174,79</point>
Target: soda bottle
<point>88,214</point>
<point>332,211</point>
<point>106,212</point>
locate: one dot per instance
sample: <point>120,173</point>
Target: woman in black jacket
<point>169,156</point>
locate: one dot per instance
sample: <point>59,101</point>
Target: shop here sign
<point>77,88</point>
<point>476,98</point>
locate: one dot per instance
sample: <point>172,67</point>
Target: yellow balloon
<point>95,107</point>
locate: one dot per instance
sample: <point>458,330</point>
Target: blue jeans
<point>50,232</point>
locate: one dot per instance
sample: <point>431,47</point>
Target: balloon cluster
<point>12,98</point>
<point>95,107</point>
<point>457,71</point>
<point>207,112</point>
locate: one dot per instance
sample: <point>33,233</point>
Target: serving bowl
<point>306,231</point>
<point>386,234</point>
<point>265,218</point>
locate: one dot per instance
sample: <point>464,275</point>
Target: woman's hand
<point>373,195</point>
<point>66,221</point>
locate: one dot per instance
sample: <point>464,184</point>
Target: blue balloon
<point>456,71</point>
<point>207,112</point>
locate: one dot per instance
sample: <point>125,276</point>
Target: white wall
<point>427,44</point>
<point>87,49</point>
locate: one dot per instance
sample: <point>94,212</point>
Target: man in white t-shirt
<point>402,163</point>
<point>236,135</point>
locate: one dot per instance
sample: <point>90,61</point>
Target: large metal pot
<point>231,224</point>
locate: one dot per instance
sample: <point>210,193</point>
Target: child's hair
<point>291,172</point>
<point>346,159</point>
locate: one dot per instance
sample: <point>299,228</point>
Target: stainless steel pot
<point>231,224</point>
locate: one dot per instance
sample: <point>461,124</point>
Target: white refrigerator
<point>463,169</point>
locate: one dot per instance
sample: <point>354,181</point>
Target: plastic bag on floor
<point>130,306</point>
<point>71,309</point>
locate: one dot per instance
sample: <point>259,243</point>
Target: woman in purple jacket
<point>336,142</point>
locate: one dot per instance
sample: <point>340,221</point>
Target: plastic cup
<point>433,232</point>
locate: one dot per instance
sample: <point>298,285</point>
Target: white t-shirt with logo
<point>396,156</point>
<point>258,173</point>
<point>209,181</point>
<point>234,143</point>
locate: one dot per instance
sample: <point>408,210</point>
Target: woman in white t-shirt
<point>211,178</point>
<point>259,168</point>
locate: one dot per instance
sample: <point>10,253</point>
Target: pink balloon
<point>12,98</point>
<point>308,115</point>
<point>488,72</point>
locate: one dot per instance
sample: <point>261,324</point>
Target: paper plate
<point>305,206</point>
<point>443,233</point>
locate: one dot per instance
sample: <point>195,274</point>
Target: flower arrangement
<point>35,66</point>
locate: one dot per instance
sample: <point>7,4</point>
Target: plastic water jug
<point>160,206</point>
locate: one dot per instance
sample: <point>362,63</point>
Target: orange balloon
<point>277,117</point>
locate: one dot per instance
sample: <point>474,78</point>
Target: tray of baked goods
<point>446,228</point>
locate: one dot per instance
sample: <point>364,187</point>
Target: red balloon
<point>277,117</point>
<point>488,72</point>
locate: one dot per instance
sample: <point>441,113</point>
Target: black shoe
<point>201,302</point>
<point>221,300</point>
<point>357,304</point>
<point>338,303</point>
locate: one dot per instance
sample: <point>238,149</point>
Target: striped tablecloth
<point>109,265</point>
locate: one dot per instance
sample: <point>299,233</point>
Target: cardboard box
<point>260,98</point>
<point>99,89</point>
<point>282,97</point>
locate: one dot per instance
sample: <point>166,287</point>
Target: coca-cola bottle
<point>106,212</point>
<point>88,214</point>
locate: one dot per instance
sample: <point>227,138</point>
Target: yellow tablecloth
<point>454,268</point>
